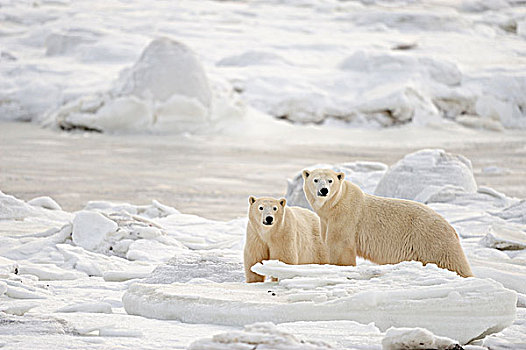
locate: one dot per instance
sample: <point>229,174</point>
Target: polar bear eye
<point>315,180</point>
<point>261,208</point>
<point>330,181</point>
<point>275,208</point>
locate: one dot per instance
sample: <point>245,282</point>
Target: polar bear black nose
<point>324,191</point>
<point>268,220</point>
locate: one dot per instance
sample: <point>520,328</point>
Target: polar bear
<point>383,230</point>
<point>278,232</point>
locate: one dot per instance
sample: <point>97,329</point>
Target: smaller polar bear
<point>383,230</point>
<point>277,232</point>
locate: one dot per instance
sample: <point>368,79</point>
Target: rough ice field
<point>69,278</point>
<point>102,65</point>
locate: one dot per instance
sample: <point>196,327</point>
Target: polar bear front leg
<point>255,251</point>
<point>342,246</point>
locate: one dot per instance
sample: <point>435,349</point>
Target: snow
<point>165,90</point>
<point>100,307</point>
<point>504,239</point>
<point>414,338</point>
<point>402,295</point>
<point>260,335</point>
<point>90,229</point>
<point>44,202</point>
<point>78,64</point>
<point>184,275</point>
<point>405,179</point>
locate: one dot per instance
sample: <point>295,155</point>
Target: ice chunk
<point>119,276</point>
<point>258,335</point>
<point>514,213</point>
<point>7,266</point>
<point>414,176</point>
<point>214,266</point>
<point>49,272</point>
<point>504,238</point>
<point>166,90</point>
<point>91,228</point>
<point>13,208</point>
<point>92,307</point>
<point>402,295</point>
<point>414,339</point>
<point>45,202</point>
<point>166,68</point>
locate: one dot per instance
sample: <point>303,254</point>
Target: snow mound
<point>415,339</point>
<point>514,213</point>
<point>443,72</point>
<point>364,174</point>
<point>421,175</point>
<point>154,210</point>
<point>166,90</point>
<point>504,238</point>
<point>166,68</point>
<point>12,208</point>
<point>402,295</point>
<point>91,228</point>
<point>212,266</point>
<point>45,202</point>
<point>259,335</point>
<point>94,307</point>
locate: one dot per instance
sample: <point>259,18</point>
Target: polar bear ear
<point>306,174</point>
<point>340,176</point>
<point>282,202</point>
<point>251,200</point>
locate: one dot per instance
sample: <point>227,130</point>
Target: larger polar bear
<point>278,232</point>
<point>383,230</point>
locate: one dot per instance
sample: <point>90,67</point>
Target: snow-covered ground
<point>190,92</point>
<point>149,276</point>
<point>187,66</point>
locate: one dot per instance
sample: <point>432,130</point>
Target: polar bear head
<point>320,185</point>
<point>266,211</point>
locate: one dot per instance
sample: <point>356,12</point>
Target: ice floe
<point>165,90</point>
<point>365,63</point>
<point>260,335</point>
<point>404,179</point>
<point>403,295</point>
<point>58,266</point>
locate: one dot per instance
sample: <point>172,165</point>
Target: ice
<point>504,238</point>
<point>166,90</point>
<point>12,208</point>
<point>258,335</point>
<point>119,276</point>
<point>48,272</point>
<point>402,295</point>
<point>212,266</point>
<point>415,338</point>
<point>421,174</point>
<point>510,338</point>
<point>91,228</point>
<point>99,307</point>
<point>57,63</point>
<point>45,202</point>
<point>340,334</point>
<point>173,267</point>
<point>514,213</point>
